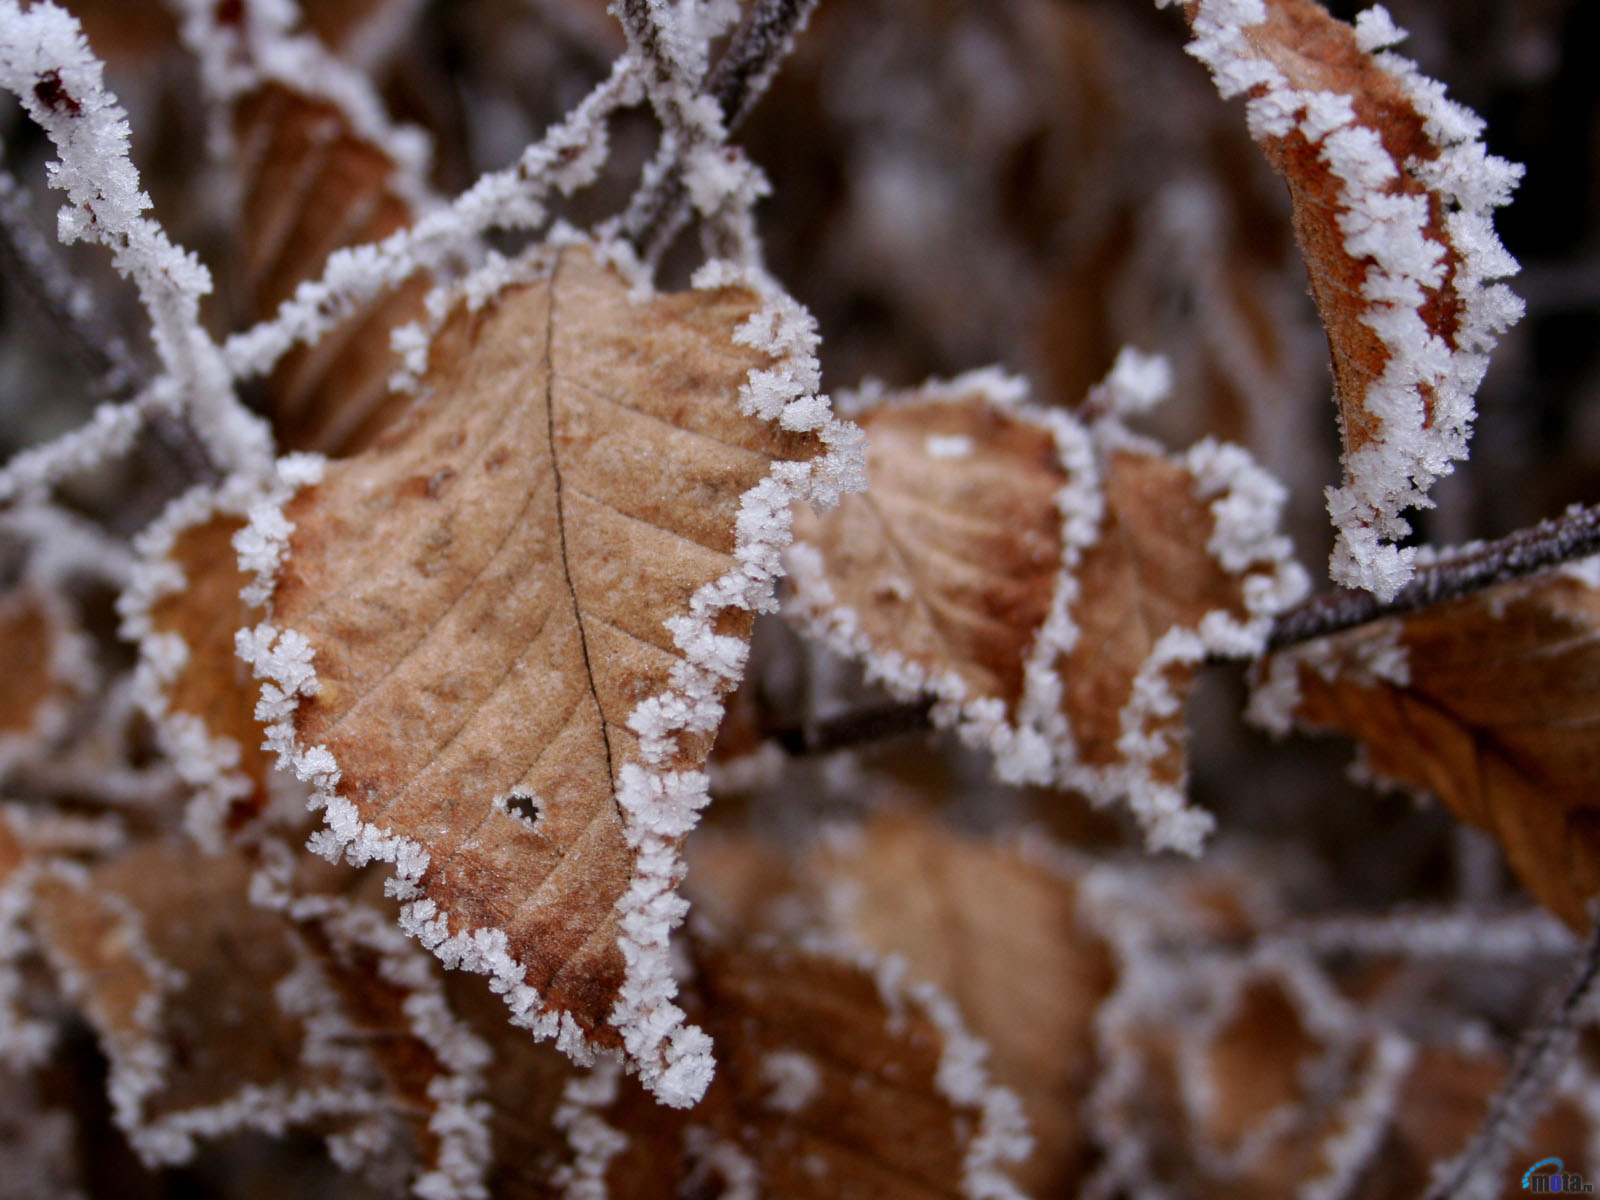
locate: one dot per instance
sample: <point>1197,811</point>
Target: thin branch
<point>1573,535</point>
<point>1527,1090</point>
<point>1512,937</point>
<point>660,209</point>
<point>761,44</point>
<point>38,268</point>
<point>853,728</point>
<point>35,265</point>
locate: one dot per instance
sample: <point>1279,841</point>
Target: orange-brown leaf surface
<point>28,679</point>
<point>1488,703</point>
<point>313,185</point>
<point>840,1080</point>
<point>208,697</point>
<point>951,556</point>
<point>1392,200</point>
<point>521,606</point>
<point>1001,936</point>
<point>1055,584</point>
<point>176,972</point>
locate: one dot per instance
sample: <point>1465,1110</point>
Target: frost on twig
<point>1545,1054</point>
<point>1393,196</point>
<point>1053,584</point>
<point>662,203</point>
<point>46,64</point>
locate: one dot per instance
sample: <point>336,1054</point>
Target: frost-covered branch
<point>660,208</point>
<point>1504,937</point>
<point>36,266</point>
<point>46,63</point>
<point>40,270</point>
<point>1572,536</point>
<point>855,728</point>
<point>1476,1173</point>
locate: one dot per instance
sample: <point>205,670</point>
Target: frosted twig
<point>763,41</point>
<point>1475,1174</point>
<point>660,208</point>
<point>1503,937</point>
<point>1573,535</point>
<point>39,268</point>
<point>46,63</point>
<point>854,728</point>
<point>36,266</point>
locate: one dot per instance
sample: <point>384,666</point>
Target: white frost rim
<point>1035,743</point>
<point>660,806</point>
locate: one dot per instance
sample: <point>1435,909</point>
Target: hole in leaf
<point>525,808</point>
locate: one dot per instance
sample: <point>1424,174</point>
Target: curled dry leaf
<point>183,607</point>
<point>35,682</point>
<point>178,975</point>
<point>1488,703</point>
<point>312,185</point>
<point>843,1078</point>
<point>499,637</point>
<point>1000,935</point>
<point>1255,1079</point>
<point>1055,584</point>
<point>1393,196</point>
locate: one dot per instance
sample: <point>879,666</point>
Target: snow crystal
<point>954,446</point>
<point>794,1080</point>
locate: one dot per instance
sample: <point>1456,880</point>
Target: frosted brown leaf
<point>1001,936</point>
<point>1054,584</point>
<point>211,694</point>
<point>28,636</point>
<point>1392,198</point>
<point>843,1080</point>
<point>521,606</point>
<point>950,557</point>
<point>1488,703</point>
<point>176,971</point>
<point>312,185</point>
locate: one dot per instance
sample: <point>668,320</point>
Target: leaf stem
<point>1556,540</point>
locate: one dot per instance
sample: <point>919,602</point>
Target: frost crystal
<point>1411,246</point>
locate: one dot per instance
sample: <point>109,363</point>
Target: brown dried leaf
<point>952,556</point>
<point>200,698</point>
<point>177,973</point>
<point>840,1080</point>
<point>312,185</point>
<point>1054,584</point>
<point>579,520</point>
<point>999,934</point>
<point>1392,202</point>
<point>1488,703</point>
<point>30,633</point>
